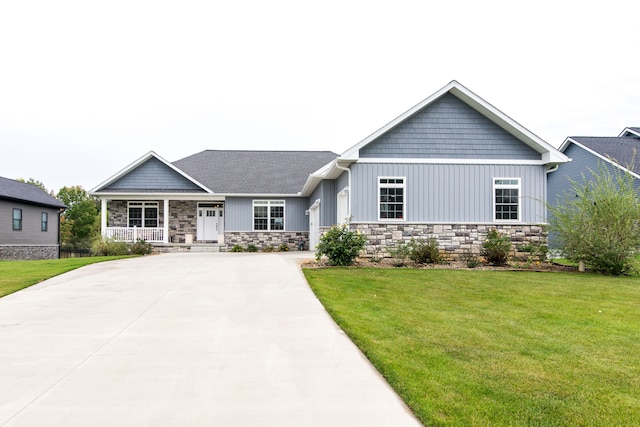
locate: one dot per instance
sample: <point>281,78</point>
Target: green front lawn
<point>16,275</point>
<point>479,348</point>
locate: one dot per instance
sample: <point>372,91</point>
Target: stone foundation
<point>454,240</point>
<point>262,239</point>
<point>29,252</point>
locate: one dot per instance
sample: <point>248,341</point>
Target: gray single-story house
<point>29,222</point>
<point>588,153</point>
<point>452,167</point>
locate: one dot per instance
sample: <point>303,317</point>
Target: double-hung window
<point>17,219</point>
<point>506,199</point>
<point>44,221</point>
<point>268,215</point>
<point>143,214</point>
<point>391,198</point>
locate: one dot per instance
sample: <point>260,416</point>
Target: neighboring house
<point>29,222</point>
<point>452,167</point>
<point>588,154</point>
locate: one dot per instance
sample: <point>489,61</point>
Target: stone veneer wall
<point>118,215</point>
<point>19,252</point>
<point>262,239</point>
<point>454,239</point>
<point>182,220</point>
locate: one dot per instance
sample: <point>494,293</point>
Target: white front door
<point>314,226</point>
<point>210,223</point>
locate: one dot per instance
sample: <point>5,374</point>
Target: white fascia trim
<point>137,163</point>
<point>604,158</point>
<point>628,130</point>
<point>159,196</point>
<point>479,104</point>
<point>455,161</point>
<point>451,222</point>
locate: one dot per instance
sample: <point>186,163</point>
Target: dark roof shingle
<point>20,191</point>
<point>254,172</point>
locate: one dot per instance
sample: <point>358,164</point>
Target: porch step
<point>204,248</point>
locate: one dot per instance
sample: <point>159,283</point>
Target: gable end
<point>153,175</point>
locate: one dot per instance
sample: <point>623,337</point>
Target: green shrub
<point>267,249</point>
<point>400,253</point>
<point>141,247</point>
<point>236,248</point>
<point>107,246</point>
<point>340,245</point>
<point>425,252</point>
<point>496,247</point>
<point>283,248</point>
<point>470,259</point>
<point>252,248</point>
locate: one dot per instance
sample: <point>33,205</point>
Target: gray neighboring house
<point>29,222</point>
<point>586,153</point>
<point>452,167</point>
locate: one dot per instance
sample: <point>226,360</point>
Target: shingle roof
<point>254,172</point>
<point>20,191</point>
<point>621,150</point>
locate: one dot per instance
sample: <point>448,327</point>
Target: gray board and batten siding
<point>448,129</point>
<point>447,193</point>
<point>153,175</point>
<point>326,193</point>
<point>239,213</point>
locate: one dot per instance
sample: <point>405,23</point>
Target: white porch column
<point>165,222</point>
<point>103,216</point>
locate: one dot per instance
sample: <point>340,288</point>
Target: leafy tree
<point>36,183</point>
<point>598,222</point>
<point>80,223</point>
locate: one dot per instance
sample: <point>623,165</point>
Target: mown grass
<point>478,348</point>
<point>16,275</point>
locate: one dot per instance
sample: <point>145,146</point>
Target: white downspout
<point>349,187</point>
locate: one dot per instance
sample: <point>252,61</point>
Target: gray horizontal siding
<point>153,175</point>
<point>449,129</point>
<point>448,193</point>
<point>239,213</point>
<point>31,233</point>
<point>582,163</point>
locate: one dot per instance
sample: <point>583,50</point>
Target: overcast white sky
<point>88,87</point>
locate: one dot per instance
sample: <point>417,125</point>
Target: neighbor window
<point>391,192</point>
<point>268,215</point>
<point>143,214</point>
<point>44,221</point>
<point>17,219</point>
<point>506,199</point>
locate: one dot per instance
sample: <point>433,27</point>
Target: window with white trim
<point>17,219</point>
<point>268,215</point>
<point>506,199</point>
<point>391,198</point>
<point>143,214</point>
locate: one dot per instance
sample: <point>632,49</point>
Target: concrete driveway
<point>184,340</point>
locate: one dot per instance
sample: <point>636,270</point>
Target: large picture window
<point>17,219</point>
<point>143,214</point>
<point>268,215</point>
<point>506,199</point>
<point>391,198</point>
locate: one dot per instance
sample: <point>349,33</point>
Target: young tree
<point>598,221</point>
<point>80,223</point>
<point>36,183</point>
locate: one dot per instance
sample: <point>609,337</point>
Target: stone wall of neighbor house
<point>182,220</point>
<point>455,240</point>
<point>262,239</point>
<point>20,252</point>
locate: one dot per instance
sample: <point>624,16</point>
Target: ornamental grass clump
<point>340,245</point>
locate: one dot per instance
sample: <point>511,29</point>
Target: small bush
<point>107,247</point>
<point>496,247</point>
<point>400,253</point>
<point>470,259</point>
<point>252,248</point>
<point>267,249</point>
<point>425,252</point>
<point>340,245</point>
<point>283,247</point>
<point>236,248</point>
<point>141,247</point>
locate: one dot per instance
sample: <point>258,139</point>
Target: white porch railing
<point>132,234</point>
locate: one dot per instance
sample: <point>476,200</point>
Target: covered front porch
<point>165,221</point>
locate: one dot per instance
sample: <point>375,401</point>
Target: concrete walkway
<point>184,340</point>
